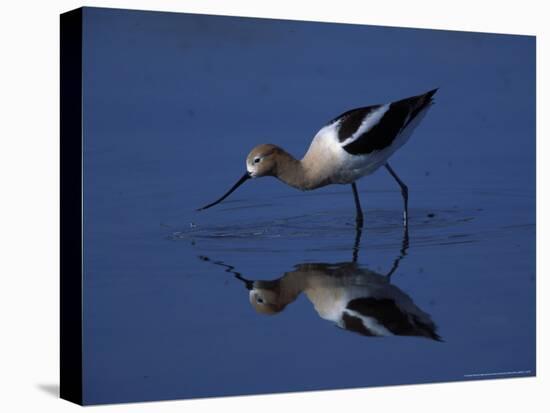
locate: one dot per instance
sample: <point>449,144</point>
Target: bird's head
<point>266,300</point>
<point>262,160</point>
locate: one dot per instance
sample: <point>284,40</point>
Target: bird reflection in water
<point>351,296</point>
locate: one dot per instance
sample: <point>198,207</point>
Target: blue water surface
<point>172,105</point>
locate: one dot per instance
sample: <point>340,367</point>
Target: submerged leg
<point>357,242</point>
<point>402,252</point>
<point>404,193</point>
<point>358,210</point>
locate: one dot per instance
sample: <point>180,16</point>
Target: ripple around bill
<point>329,230</point>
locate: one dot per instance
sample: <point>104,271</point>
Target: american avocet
<point>354,298</point>
<point>350,146</point>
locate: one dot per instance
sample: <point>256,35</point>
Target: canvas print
<point>255,206</point>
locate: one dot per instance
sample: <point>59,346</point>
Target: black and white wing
<point>372,316</point>
<point>364,130</point>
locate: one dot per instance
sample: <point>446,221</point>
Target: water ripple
<point>330,231</point>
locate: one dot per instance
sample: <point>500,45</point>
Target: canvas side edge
<point>71,383</point>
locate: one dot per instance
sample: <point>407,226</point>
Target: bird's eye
<point>259,300</point>
<point>256,160</point>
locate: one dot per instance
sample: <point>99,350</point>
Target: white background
<point>29,206</point>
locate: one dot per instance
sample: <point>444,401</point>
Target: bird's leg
<point>404,193</point>
<point>358,210</point>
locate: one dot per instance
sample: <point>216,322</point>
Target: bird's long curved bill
<point>241,181</point>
